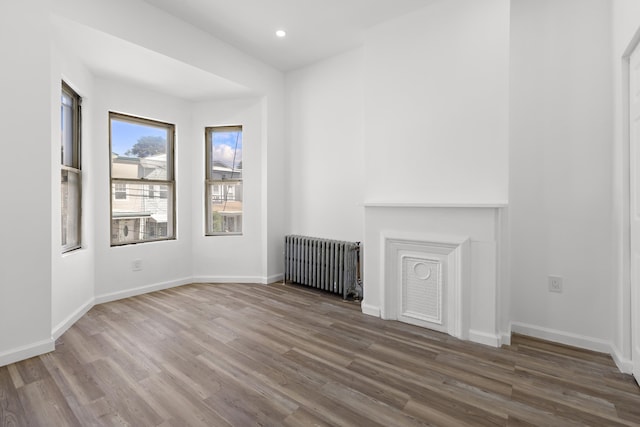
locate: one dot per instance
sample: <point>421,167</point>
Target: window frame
<point>76,163</point>
<point>169,182</point>
<point>209,182</point>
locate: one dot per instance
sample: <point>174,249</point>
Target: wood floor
<point>244,355</point>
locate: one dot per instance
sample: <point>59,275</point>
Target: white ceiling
<point>111,57</point>
<point>316,29</point>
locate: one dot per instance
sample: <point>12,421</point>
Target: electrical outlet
<point>136,265</point>
<point>555,284</point>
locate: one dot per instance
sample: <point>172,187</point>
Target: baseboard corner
<point>63,326</point>
<point>486,338</point>
<point>623,363</point>
<point>370,310</point>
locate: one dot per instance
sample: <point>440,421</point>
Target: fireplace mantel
<point>480,317</point>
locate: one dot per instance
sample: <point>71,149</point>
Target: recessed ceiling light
<point>281,33</point>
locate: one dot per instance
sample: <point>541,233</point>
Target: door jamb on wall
<point>626,294</point>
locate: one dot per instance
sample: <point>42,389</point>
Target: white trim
<point>453,249</point>
<point>503,274</point>
<point>273,279</point>
<point>624,364</point>
<point>633,43</point>
<point>505,338</point>
<point>114,296</point>
<point>492,340</point>
<point>490,205</point>
<point>629,286</point>
<point>231,279</point>
<point>46,346</point>
<point>567,338</point>
<point>27,351</point>
<point>63,326</point>
<point>370,310</point>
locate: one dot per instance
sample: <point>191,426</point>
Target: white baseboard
<point>624,364</point>
<point>27,351</point>
<point>370,310</point>
<point>46,346</point>
<point>62,327</point>
<point>567,338</point>
<point>114,296</point>
<point>239,279</point>
<point>273,278</point>
<point>588,343</point>
<point>485,338</point>
<point>229,279</point>
<point>505,338</point>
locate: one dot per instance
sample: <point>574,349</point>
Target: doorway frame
<point>626,292</point>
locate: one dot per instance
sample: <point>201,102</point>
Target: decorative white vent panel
<point>422,296</point>
<point>425,277</point>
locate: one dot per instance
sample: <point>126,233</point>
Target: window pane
<point>67,130</point>
<point>225,207</point>
<point>224,185</point>
<point>142,181</point>
<point>139,150</point>
<point>120,191</point>
<point>226,153</point>
<point>137,215</point>
<point>70,167</point>
<point>70,190</point>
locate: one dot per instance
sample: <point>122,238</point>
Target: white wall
<point>274,182</point>
<point>626,23</point>
<point>164,263</point>
<point>560,169</point>
<point>436,143</point>
<point>436,104</point>
<point>73,273</point>
<point>418,115</point>
<point>140,23</point>
<point>325,155</point>
<point>25,253</point>
<point>229,258</point>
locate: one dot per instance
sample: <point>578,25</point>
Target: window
<point>142,180</point>
<point>120,191</point>
<point>223,193</point>
<point>70,175</point>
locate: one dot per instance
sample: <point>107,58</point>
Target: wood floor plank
<point>45,405</point>
<point>243,355</point>
<point>12,412</point>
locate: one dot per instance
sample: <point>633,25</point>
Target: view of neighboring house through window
<point>142,180</point>
<point>70,168</point>
<point>223,198</point>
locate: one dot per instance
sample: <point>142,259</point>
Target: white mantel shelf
<point>491,205</point>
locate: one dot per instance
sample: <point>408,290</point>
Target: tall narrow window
<point>223,194</point>
<point>71,177</point>
<point>141,167</point>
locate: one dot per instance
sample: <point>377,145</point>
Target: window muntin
<point>224,182</point>
<point>70,172</point>
<point>142,181</point>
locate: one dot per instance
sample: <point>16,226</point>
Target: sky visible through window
<point>225,145</point>
<point>124,135</point>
